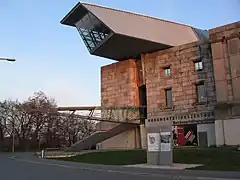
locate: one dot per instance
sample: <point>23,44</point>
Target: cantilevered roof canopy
<point>120,35</point>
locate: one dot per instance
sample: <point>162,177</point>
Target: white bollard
<point>42,154</point>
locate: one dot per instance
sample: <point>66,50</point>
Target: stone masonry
<point>119,84</point>
<point>225,42</point>
<point>183,80</point>
<point>119,87</point>
<point>226,58</point>
<point>220,75</point>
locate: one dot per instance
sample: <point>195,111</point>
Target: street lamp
<point>13,138</point>
<point>7,59</point>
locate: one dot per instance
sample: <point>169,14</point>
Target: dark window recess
<point>201,93</point>
<point>168,93</point>
<point>198,65</point>
<point>233,47</point>
<point>92,30</point>
<point>143,102</point>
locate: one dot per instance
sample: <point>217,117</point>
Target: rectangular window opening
<point>198,65</point>
<point>201,93</point>
<point>92,31</point>
<point>168,95</point>
<point>167,71</point>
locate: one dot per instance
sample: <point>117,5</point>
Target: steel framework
<point>127,114</point>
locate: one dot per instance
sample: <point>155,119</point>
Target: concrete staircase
<point>100,136</point>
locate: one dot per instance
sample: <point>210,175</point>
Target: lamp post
<point>13,135</point>
<point>8,59</point>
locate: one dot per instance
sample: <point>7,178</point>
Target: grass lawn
<point>227,159</point>
<point>111,157</point>
<point>223,159</point>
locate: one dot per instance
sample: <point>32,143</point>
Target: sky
<point>53,58</point>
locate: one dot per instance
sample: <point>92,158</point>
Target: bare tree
<point>75,129</point>
<point>38,129</point>
<point>2,125</point>
<point>9,115</point>
<point>39,120</point>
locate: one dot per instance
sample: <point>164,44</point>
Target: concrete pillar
<point>210,130</point>
<point>219,132</point>
<point>137,138</point>
<point>143,136</point>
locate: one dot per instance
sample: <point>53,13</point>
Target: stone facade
<point>226,55</point>
<point>119,84</point>
<point>217,113</point>
<point>225,42</point>
<point>182,80</point>
<point>119,87</point>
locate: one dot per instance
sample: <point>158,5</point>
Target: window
<point>168,94</point>
<point>167,71</point>
<point>92,31</point>
<point>201,93</point>
<point>198,65</point>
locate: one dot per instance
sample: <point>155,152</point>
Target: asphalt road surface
<point>25,166</point>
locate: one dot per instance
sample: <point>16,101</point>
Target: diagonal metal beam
<point>129,114</point>
<point>98,119</point>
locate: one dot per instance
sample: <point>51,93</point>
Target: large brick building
<point>181,73</point>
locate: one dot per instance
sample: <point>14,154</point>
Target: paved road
<point>24,166</point>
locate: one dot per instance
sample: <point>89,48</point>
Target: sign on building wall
<point>165,141</point>
<point>153,140</point>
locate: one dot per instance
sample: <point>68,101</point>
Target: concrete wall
<point>227,132</point>
<point>124,140</point>
<point>220,134</point>
<point>210,129</point>
<point>143,137</point>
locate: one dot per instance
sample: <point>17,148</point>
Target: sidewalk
<point>176,166</point>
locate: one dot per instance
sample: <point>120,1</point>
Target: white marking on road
<point>173,177</point>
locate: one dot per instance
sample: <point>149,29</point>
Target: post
<point>13,140</point>
<point>42,154</point>
<point>1,135</point>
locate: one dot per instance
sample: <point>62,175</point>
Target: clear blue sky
<point>52,57</point>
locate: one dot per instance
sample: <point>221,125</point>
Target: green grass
<point>226,159</point>
<point>110,157</point>
<point>223,159</point>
